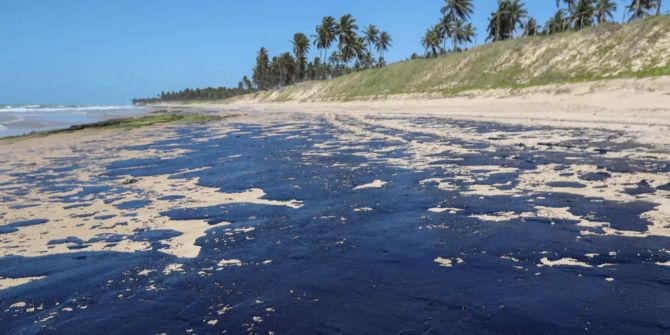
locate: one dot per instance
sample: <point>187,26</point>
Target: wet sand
<point>345,218</point>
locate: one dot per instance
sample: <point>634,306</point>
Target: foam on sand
<point>374,184</point>
<point>566,261</point>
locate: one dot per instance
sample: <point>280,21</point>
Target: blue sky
<point>109,51</point>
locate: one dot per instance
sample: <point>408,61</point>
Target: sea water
<point>23,119</point>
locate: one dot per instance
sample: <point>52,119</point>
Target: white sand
<point>6,283</point>
<point>374,184</point>
<point>638,109</point>
<point>567,261</point>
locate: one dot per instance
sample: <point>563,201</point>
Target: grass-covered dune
<point>638,49</point>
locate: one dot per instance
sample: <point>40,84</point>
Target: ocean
<point>23,119</point>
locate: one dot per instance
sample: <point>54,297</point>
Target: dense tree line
<point>353,50</point>
<point>343,48</point>
<point>209,93</point>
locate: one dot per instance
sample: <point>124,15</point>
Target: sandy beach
<point>638,107</point>
<point>558,191</point>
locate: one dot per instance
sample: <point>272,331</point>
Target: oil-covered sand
<point>335,223</point>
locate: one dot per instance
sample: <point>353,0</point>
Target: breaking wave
<point>62,108</point>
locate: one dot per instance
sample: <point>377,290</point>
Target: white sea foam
<point>63,108</point>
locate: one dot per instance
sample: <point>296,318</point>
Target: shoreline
<point>639,107</point>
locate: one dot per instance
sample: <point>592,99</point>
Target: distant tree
<point>246,84</point>
<point>454,11</point>
<point>603,10</point>
<point>640,8</point>
<point>360,53</point>
<point>348,38</point>
<point>383,44</point>
<point>261,72</point>
<point>570,3</point>
<point>501,21</point>
<point>530,28</point>
<point>371,36</point>
<point>286,66</point>
<point>461,33</point>
<point>516,11</point>
<point>334,60</point>
<point>457,9</point>
<point>326,33</point>
<point>300,49</point>
<point>583,14</point>
<point>557,24</point>
<point>432,40</point>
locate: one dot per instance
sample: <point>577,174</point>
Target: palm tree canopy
<point>604,9</point>
<point>384,42</point>
<point>640,8</point>
<point>530,28</point>
<point>371,35</point>
<point>457,9</point>
<point>300,45</point>
<point>505,19</point>
<point>347,37</point>
<point>583,14</point>
<point>516,10</point>
<point>326,33</point>
<point>558,23</point>
<point>431,40</point>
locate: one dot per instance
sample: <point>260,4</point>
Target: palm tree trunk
<point>511,27</point>
<point>659,3</point>
<point>637,8</point>
<point>499,35</point>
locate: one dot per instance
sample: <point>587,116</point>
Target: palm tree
<point>639,9</point>
<point>431,41</point>
<point>570,3</point>
<point>371,36</point>
<point>516,11</point>
<point>530,28</point>
<point>383,44</point>
<point>604,9</point>
<point>659,4</point>
<point>300,49</point>
<point>445,29</point>
<point>461,32</point>
<point>583,15</point>
<point>334,59</point>
<point>457,9</point>
<point>261,72</point>
<point>452,11</point>
<point>505,19</point>
<point>557,24</point>
<point>347,38</point>
<point>469,33</point>
<point>286,68</point>
<point>326,33</point>
<point>497,21</point>
<point>359,50</point>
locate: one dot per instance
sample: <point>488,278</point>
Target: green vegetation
<point>286,68</point>
<point>606,51</point>
<point>210,93</point>
<point>128,123</point>
<point>355,52</point>
<point>521,53</point>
